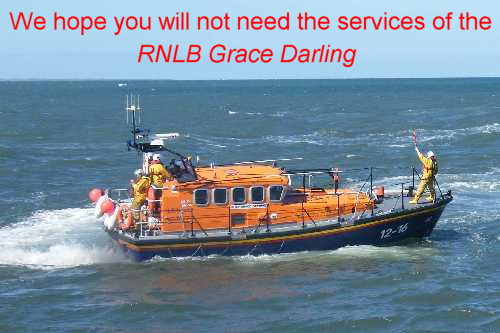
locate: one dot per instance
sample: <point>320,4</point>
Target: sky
<point>49,54</point>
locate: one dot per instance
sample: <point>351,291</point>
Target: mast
<point>131,109</point>
<point>141,139</point>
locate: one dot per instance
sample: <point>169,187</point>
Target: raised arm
<point>421,156</point>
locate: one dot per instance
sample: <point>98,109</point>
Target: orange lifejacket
<point>125,218</point>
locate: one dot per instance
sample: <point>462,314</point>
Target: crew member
<point>140,188</point>
<point>157,176</point>
<point>429,171</point>
<point>157,172</point>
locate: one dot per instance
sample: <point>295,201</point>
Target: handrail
<point>119,192</point>
<point>188,221</point>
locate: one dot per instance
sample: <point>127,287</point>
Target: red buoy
<point>108,206</point>
<point>95,194</point>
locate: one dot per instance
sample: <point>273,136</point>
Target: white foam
<point>56,239</point>
<point>388,252</point>
<point>483,182</point>
<point>328,137</point>
<point>481,185</point>
<point>392,182</point>
<point>473,217</point>
<point>313,139</point>
<point>59,256</point>
<point>398,145</point>
<point>488,181</point>
<point>449,134</point>
<point>402,139</point>
<point>344,253</point>
<point>217,145</point>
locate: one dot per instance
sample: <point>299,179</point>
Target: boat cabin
<point>249,196</point>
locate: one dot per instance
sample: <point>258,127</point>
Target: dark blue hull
<point>377,230</point>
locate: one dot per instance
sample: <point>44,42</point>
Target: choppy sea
<point>59,271</point>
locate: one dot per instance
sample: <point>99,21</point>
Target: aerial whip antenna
<point>133,111</point>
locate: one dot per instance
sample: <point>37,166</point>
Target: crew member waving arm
<point>429,171</point>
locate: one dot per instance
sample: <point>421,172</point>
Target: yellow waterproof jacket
<point>141,188</point>
<point>429,166</point>
<point>157,174</point>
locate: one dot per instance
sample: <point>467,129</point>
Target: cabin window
<point>239,195</point>
<point>275,192</point>
<point>257,194</point>
<point>238,219</point>
<point>220,196</point>
<point>201,197</point>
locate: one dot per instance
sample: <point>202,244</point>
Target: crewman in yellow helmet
<point>157,176</point>
<point>140,189</point>
<point>429,171</point>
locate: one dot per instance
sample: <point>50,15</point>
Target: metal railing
<point>185,216</point>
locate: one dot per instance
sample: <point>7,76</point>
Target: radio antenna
<point>133,108</point>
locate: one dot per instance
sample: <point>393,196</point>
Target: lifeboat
<point>260,207</point>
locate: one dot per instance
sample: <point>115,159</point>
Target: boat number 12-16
<point>386,233</point>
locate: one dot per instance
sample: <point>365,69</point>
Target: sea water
<point>59,271</point>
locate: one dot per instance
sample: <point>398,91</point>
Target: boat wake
<point>348,253</point>
<point>57,239</point>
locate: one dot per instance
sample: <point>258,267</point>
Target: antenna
<point>139,108</point>
<point>141,139</point>
<point>132,108</point>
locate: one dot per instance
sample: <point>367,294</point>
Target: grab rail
<point>185,215</point>
<point>119,192</point>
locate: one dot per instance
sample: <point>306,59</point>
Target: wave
<point>430,135</point>
<point>488,181</point>
<point>330,137</point>
<point>344,254</point>
<point>312,139</point>
<point>468,217</point>
<point>57,239</point>
<point>339,255</point>
<point>481,185</point>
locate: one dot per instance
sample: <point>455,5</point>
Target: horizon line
<point>248,79</point>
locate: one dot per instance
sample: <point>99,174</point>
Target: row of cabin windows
<point>238,195</point>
